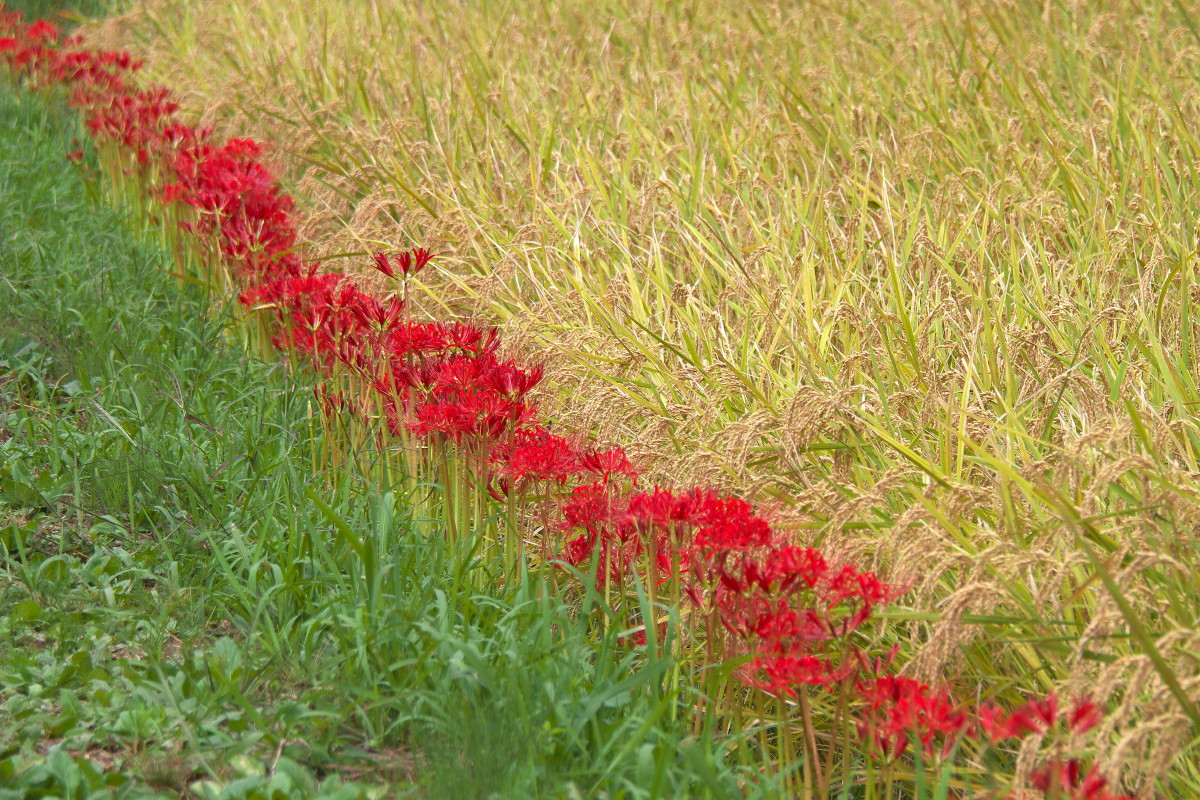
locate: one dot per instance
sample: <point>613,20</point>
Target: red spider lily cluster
<point>788,616</point>
<point>902,711</point>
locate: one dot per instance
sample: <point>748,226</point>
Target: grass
<point>188,610</point>
<point>920,275</point>
<point>69,11</point>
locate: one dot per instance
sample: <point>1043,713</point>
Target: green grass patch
<point>62,10</point>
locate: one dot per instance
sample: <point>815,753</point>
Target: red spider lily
<point>635,639</point>
<point>417,337</point>
<point>777,602</point>
<point>781,675</point>
<point>596,509</point>
<point>1036,716</point>
<point>1000,726</point>
<point>500,490</point>
<point>616,561</point>
<point>785,567</point>
<point>478,414</point>
<point>773,624</point>
<point>609,537</point>
<point>1084,716</point>
<point>1066,779</point>
<point>866,587</point>
<point>508,379</point>
<point>407,264</point>
<point>460,375</point>
<point>537,455</point>
<point>132,120</point>
<point>730,524</point>
<point>1046,710</point>
<point>607,463</point>
<point>579,549</point>
<point>376,315</point>
<point>43,31</point>
<point>425,337</point>
<point>421,257</point>
<point>419,377</point>
<point>293,292</point>
<point>664,509</point>
<point>900,710</point>
<point>384,265</point>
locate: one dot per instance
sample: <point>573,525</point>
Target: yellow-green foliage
<point>921,273</point>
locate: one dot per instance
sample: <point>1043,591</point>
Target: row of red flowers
<point>787,615</point>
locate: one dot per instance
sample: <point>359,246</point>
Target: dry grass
<point>920,274</point>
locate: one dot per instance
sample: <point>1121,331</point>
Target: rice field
<point>914,280</point>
